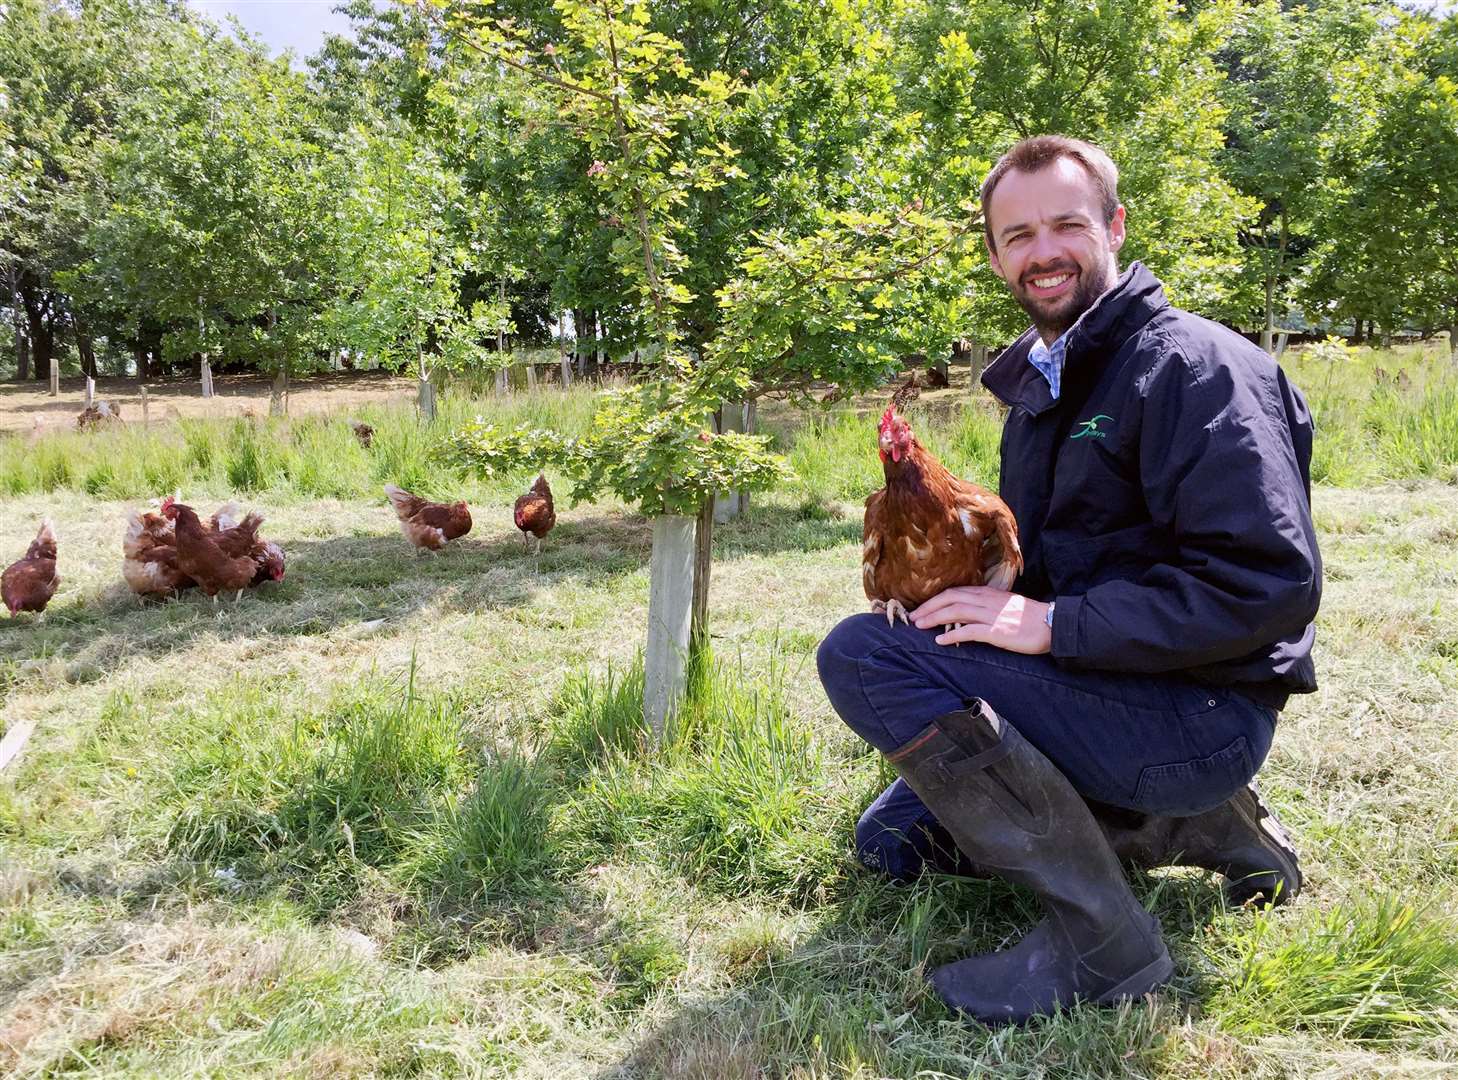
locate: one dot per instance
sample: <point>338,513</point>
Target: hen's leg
<point>893,609</point>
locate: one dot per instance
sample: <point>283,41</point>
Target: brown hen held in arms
<point>927,530</point>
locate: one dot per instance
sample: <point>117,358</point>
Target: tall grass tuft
<point>501,832</point>
<point>597,720</point>
<point>1370,972</point>
<point>297,791</point>
<point>737,795</point>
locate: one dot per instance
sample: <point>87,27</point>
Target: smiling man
<point>1115,705</point>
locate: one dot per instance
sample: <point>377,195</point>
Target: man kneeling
<point>1116,704</point>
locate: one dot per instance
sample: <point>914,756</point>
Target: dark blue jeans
<point>1154,743</point>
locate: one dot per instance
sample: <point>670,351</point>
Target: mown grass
<point>400,815</point>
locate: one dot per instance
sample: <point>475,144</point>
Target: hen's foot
<point>893,609</point>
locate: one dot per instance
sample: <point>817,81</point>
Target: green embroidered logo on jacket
<point>1089,429</point>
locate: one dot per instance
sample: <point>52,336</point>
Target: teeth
<point>1051,282</point>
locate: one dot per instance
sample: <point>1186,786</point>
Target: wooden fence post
<point>90,391</point>
<point>670,619</point>
<point>55,375</point>
<point>146,420</point>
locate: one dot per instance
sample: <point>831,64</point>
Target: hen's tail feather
<point>226,516</point>
<point>405,504</point>
<point>1002,574</point>
<point>44,545</point>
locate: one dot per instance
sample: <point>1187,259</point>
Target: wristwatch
<point>1048,615</point>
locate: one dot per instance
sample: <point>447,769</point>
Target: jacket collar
<point>1099,333</point>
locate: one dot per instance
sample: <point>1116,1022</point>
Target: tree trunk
<point>703,561</point>
<point>562,349</point>
<point>22,354</point>
<point>424,390</point>
<point>42,338</point>
<point>86,351</point>
<point>1267,331</point>
<point>579,356</point>
<point>1453,343</point>
<point>278,396</point>
<point>670,619</point>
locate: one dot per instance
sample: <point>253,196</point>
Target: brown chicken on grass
<point>426,524</point>
<point>534,512</point>
<point>927,530</point>
<point>202,557</point>
<point>29,583</point>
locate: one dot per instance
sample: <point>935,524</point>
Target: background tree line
<point>800,177</point>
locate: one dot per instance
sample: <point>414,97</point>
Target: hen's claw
<point>893,609</point>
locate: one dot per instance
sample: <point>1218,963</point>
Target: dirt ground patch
<point>24,406</point>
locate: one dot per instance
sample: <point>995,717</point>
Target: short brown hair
<point>1037,153</point>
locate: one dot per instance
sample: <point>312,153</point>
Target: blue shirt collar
<point>1048,359</point>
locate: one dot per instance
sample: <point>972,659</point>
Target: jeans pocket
<point>1192,787</point>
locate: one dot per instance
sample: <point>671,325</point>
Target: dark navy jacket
<point>1164,499</point>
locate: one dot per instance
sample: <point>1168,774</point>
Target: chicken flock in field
<point>928,530</point>
<point>169,551</point>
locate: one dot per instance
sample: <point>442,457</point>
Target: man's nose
<point>1045,248</point>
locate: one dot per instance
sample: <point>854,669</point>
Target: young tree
<point>656,129</point>
<point>400,262</point>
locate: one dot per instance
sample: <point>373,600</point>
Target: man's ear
<point>992,255</point>
<point>1116,230</point>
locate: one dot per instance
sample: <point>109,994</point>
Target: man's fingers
<point>957,608</point>
<point>968,632</point>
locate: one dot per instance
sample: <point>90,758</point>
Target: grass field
<point>396,816</point>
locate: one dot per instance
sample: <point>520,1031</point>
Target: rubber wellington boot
<point>1011,811</point>
<point>1241,839</point>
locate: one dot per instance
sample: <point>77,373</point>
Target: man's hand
<point>1004,619</point>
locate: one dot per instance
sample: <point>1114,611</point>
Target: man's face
<point>1050,243</point>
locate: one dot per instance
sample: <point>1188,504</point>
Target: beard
<point>1052,318</point>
